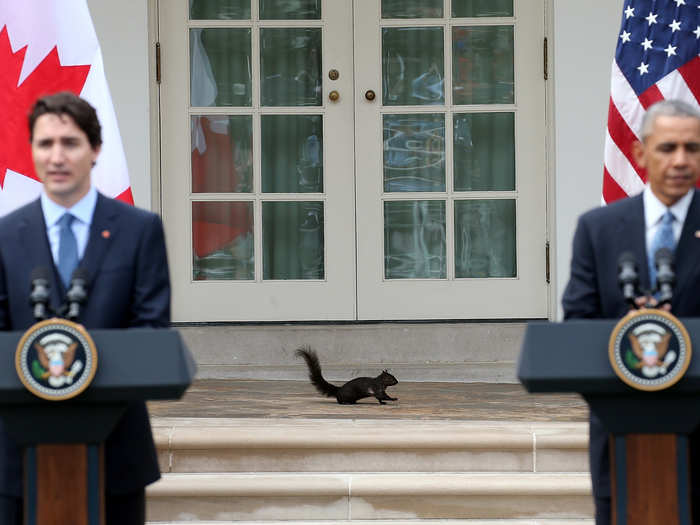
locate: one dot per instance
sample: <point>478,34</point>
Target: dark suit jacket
<point>593,291</point>
<point>129,286</point>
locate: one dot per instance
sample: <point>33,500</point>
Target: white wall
<point>122,29</point>
<point>585,36</point>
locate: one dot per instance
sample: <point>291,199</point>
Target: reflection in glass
<point>412,66</point>
<point>293,240</point>
<point>290,62</point>
<point>220,73</point>
<point>292,153</point>
<point>414,152</point>
<point>414,240</point>
<point>485,238</point>
<point>290,9</point>
<point>222,153</point>
<point>477,8</point>
<point>222,240</point>
<point>482,65</point>
<point>484,151</point>
<point>411,8</point>
<point>219,9</point>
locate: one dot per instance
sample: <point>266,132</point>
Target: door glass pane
<point>412,66</point>
<point>290,9</point>
<point>219,9</point>
<point>485,238</point>
<point>220,72</point>
<point>222,239</point>
<point>414,240</point>
<point>292,153</point>
<point>484,151</point>
<point>222,154</point>
<point>482,65</point>
<point>290,61</point>
<point>476,8</point>
<point>412,8</point>
<point>414,152</point>
<point>293,240</point>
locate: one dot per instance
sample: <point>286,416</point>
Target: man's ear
<point>638,152</point>
<point>96,150</point>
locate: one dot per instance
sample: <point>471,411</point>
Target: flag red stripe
<point>126,196</point>
<point>611,190</point>
<point>650,96</point>
<point>691,74</point>
<point>621,134</point>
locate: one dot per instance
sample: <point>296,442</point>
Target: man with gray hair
<point>666,214</point>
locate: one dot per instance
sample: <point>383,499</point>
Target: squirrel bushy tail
<point>323,386</point>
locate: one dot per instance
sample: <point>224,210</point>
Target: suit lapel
<point>103,229</point>
<point>687,252</point>
<point>32,236</point>
<point>632,237</point>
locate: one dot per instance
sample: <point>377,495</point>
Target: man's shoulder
<point>123,210</point>
<point>626,208</point>
<point>21,214</point>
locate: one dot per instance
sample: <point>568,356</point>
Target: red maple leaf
<point>17,100</point>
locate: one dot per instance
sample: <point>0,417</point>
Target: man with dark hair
<point>666,214</point>
<point>122,250</point>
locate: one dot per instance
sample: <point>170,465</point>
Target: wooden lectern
<point>649,447</point>
<point>63,439</point>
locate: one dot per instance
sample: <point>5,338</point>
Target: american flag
<point>656,59</point>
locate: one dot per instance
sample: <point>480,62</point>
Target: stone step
<point>458,351</point>
<point>299,445</point>
<point>391,522</point>
<point>407,496</point>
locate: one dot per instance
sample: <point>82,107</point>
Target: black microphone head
<point>79,274</point>
<point>40,272</point>
<point>663,256</point>
<point>626,258</point>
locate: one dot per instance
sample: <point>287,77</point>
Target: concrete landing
<point>217,398</point>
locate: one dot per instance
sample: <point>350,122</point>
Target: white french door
<point>451,162</point>
<point>257,162</point>
<point>354,159</point>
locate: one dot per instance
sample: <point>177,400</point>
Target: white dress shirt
<point>654,210</point>
<point>81,210</point>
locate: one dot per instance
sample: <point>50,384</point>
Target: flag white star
<point>643,68</point>
<point>629,12</point>
<point>675,26</point>
<point>652,18</point>
<point>625,36</point>
<point>670,50</point>
<point>647,44</point>
<point>679,2</point>
<point>697,31</point>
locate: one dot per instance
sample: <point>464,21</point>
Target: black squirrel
<point>350,392</point>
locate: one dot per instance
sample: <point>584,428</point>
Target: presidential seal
<point>56,359</point>
<point>650,349</point>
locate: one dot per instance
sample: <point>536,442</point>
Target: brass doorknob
<point>334,96</point>
<point>370,95</point>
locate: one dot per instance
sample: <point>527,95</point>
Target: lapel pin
<point>697,234</point>
<point>106,234</point>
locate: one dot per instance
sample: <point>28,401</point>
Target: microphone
<point>665,276</point>
<point>627,276</point>
<point>77,293</point>
<point>39,296</point>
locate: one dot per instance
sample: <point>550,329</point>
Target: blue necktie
<point>663,238</point>
<point>67,249</point>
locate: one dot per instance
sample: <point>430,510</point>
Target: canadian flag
<point>47,46</point>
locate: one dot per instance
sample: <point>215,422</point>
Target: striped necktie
<point>663,238</point>
<point>67,249</point>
